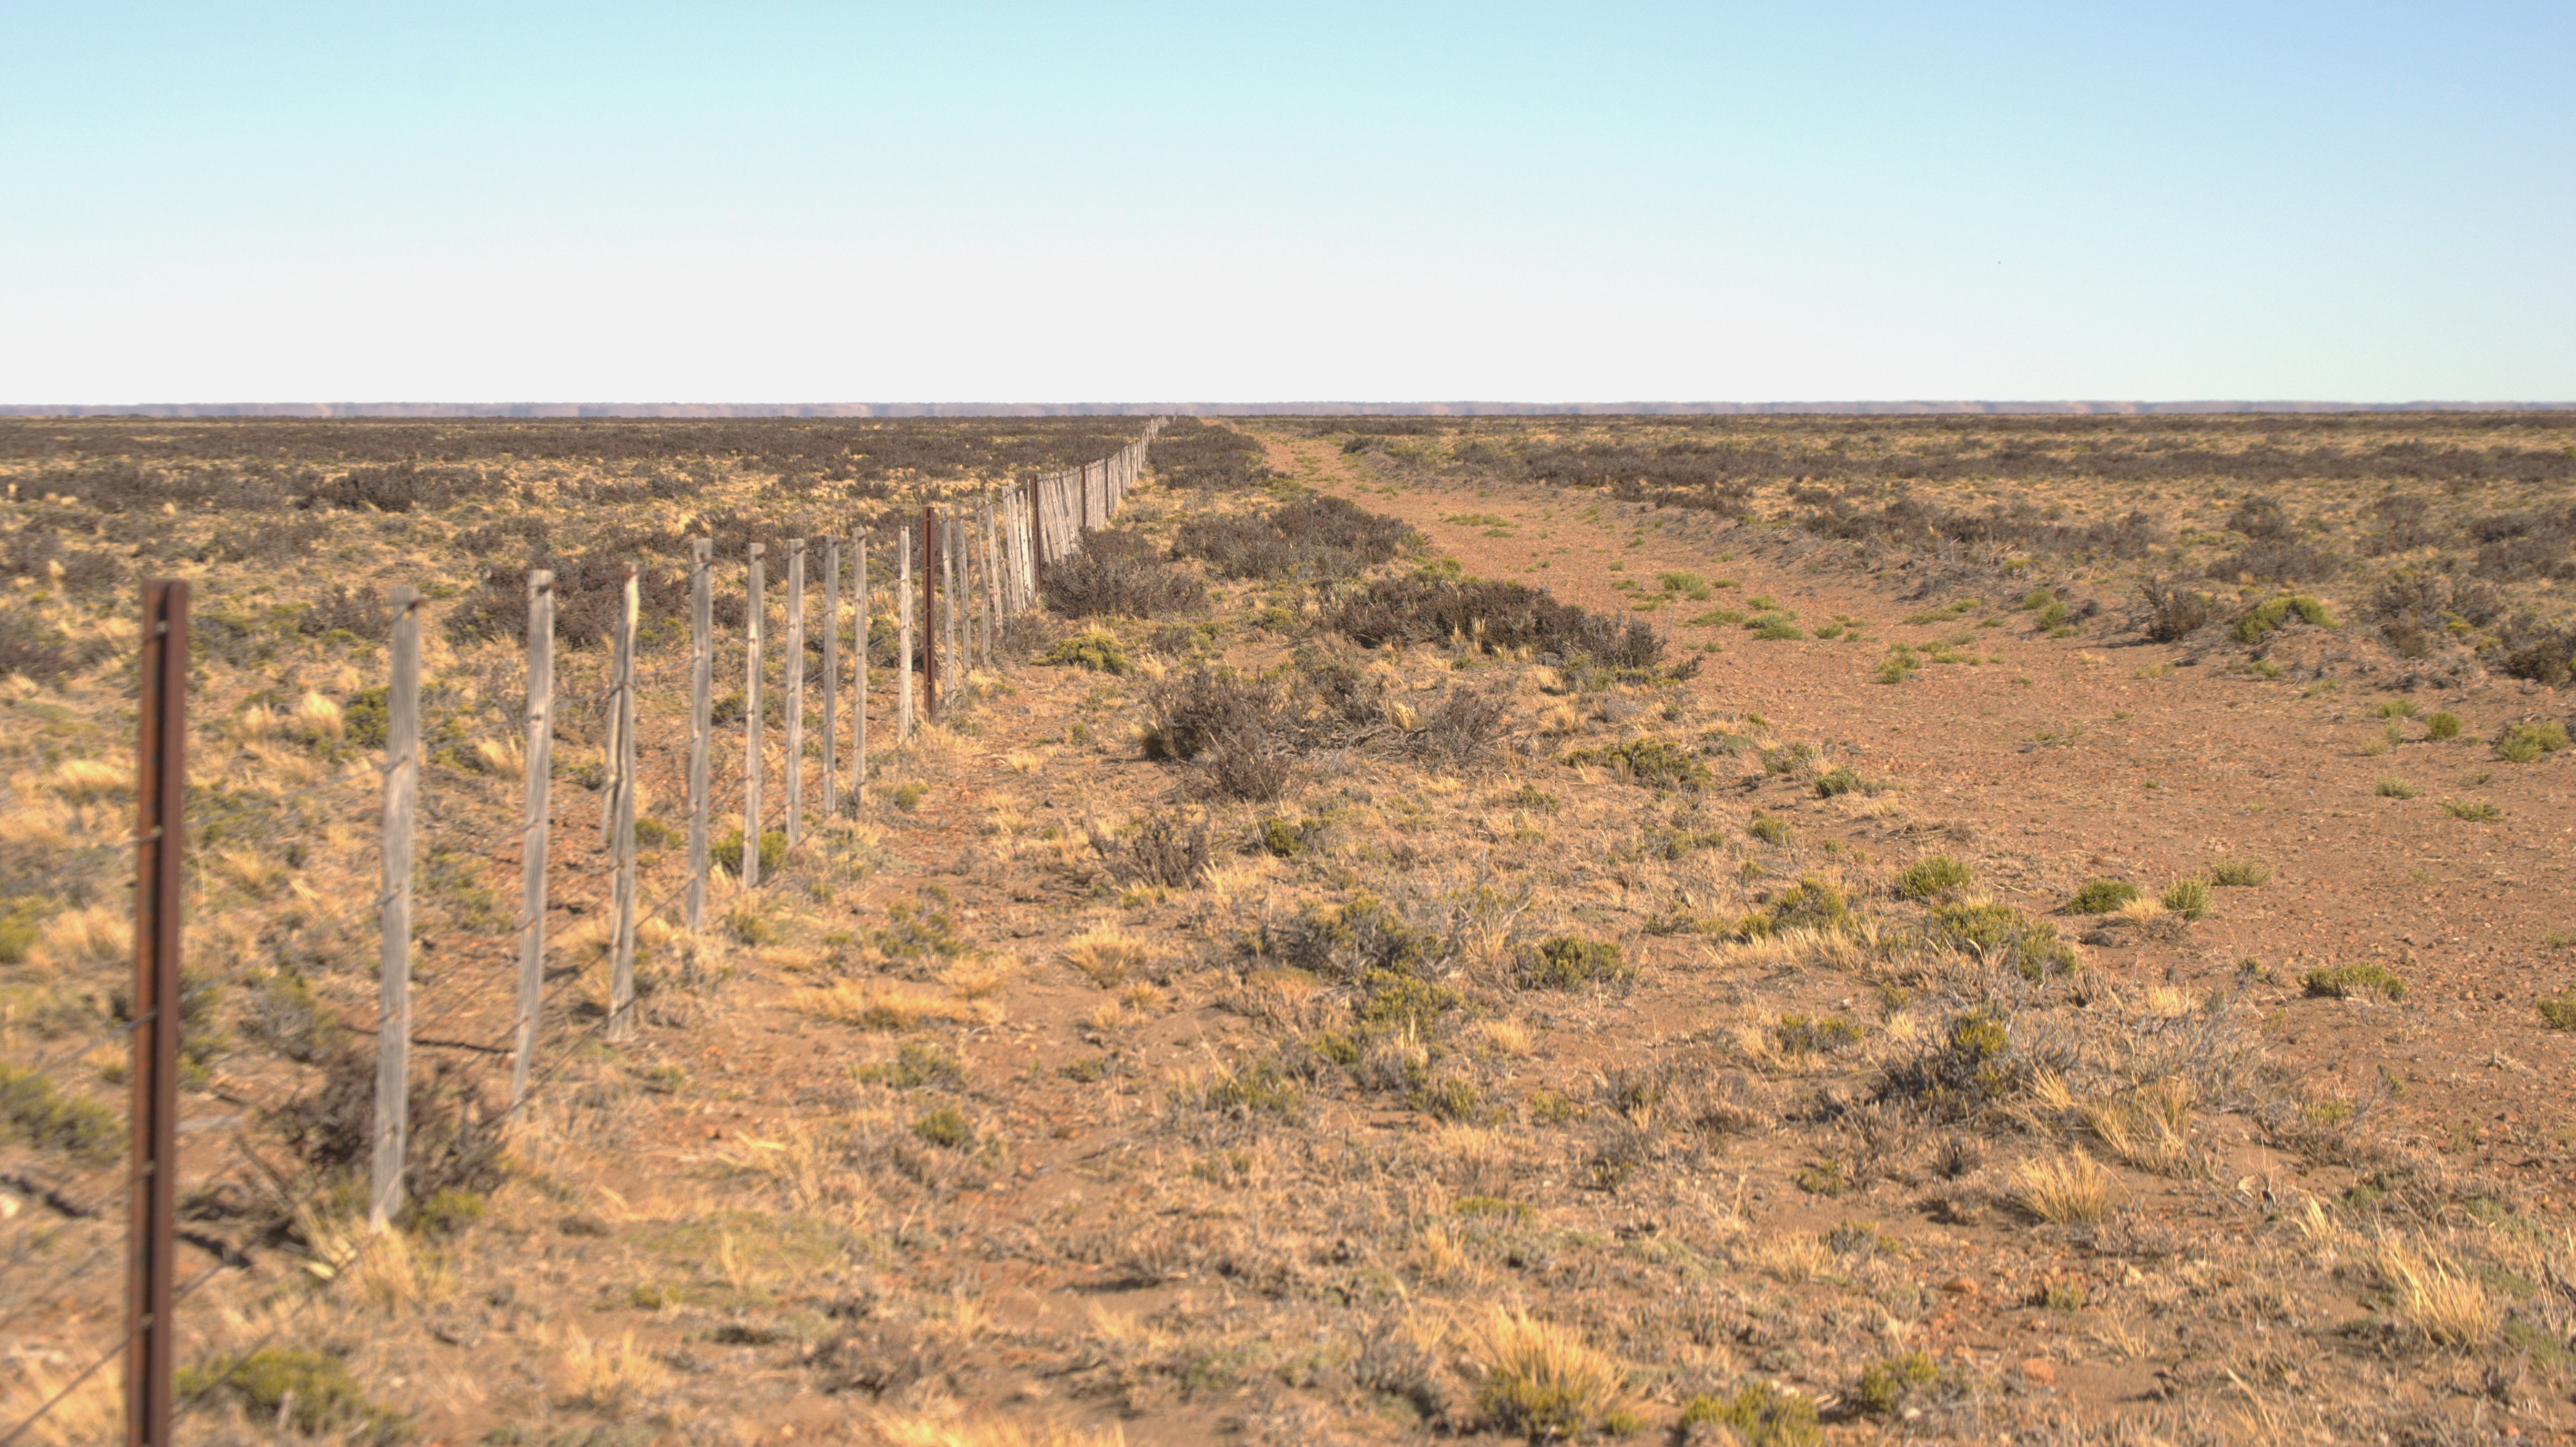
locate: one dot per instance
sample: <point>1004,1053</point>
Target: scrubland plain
<point>1767,931</point>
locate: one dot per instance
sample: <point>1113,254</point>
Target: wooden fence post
<point>949,633</point>
<point>1037,546</point>
<point>903,636</point>
<point>160,882</point>
<point>859,704</point>
<point>702,651</point>
<point>992,583</point>
<point>831,674</point>
<point>751,732</point>
<point>929,615</point>
<point>533,838</point>
<point>392,1125</point>
<point>621,980</point>
<point>792,677</point>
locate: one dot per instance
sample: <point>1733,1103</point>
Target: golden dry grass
<point>2434,1294</point>
<point>615,1377</point>
<point>933,1431</point>
<point>875,1005</point>
<point>1106,957</point>
<point>1545,1380</point>
<point>2071,1189</point>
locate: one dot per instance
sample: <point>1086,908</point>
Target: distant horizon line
<point>683,411</point>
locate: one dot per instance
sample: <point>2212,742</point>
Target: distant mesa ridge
<point>1222,409</point>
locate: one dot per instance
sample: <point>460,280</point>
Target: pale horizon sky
<point>1029,203</point>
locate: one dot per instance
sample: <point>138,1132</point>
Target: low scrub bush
<point>1569,962</point>
<point>1931,876</point>
<point>1759,1413</point>
<point>2101,896</point>
<point>2003,935</point>
<point>2524,743</point>
<point>1189,453</point>
<point>311,1391</point>
<point>1493,617</point>
<point>2343,982</point>
<point>1656,763</point>
<point>1544,1382</point>
<point>1315,537</point>
<point>2173,611</point>
<point>2240,872</point>
<point>1119,572</point>
<point>2272,613</point>
<point>1094,648</point>
<point>2188,898</point>
<point>1162,851</point>
<point>2558,1012</point>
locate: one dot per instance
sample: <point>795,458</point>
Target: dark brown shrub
<point>1494,616</point>
<point>1313,537</point>
<point>342,610</point>
<point>2173,611</point>
<point>399,488</point>
<point>1194,454</point>
<point>455,1138</point>
<point>1192,712</point>
<point>28,647</point>
<point>2282,560</point>
<point>1119,573</point>
<point>1163,851</point>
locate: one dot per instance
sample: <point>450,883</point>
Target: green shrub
<point>312,1390</point>
<point>1569,962</point>
<point>2397,789</point>
<point>1656,763</point>
<point>1760,1415</point>
<point>1885,1385</point>
<point>2523,743</point>
<point>446,1213</point>
<point>2443,725</point>
<point>1837,780</point>
<point>1811,903</point>
<point>1282,839</point>
<point>1932,875</point>
<point>19,929</point>
<point>46,1118</point>
<point>1397,1002</point>
<point>725,852</point>
<point>2558,1011</point>
<point>2476,811</point>
<point>1775,627</point>
<point>748,925</point>
<point>2240,873</point>
<point>2004,934</point>
<point>2345,981</point>
<point>2273,612</point>
<point>1715,618</point>
<point>2188,898</point>
<point>907,798</point>
<point>945,1127</point>
<point>1770,829</point>
<point>2101,896</point>
<point>1095,648</point>
<point>1806,1035</point>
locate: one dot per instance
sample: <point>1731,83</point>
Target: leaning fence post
<point>831,674</point>
<point>751,732</point>
<point>903,636</point>
<point>792,678</point>
<point>621,980</point>
<point>702,648</point>
<point>539,757</point>
<point>152,1247</point>
<point>393,1015</point>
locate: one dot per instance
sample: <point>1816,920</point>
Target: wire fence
<point>504,897</point>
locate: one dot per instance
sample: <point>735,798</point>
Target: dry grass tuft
<point>1545,1381</point>
<point>2140,910</point>
<point>612,1378</point>
<point>2068,1190</point>
<point>875,1006</point>
<point>90,781</point>
<point>91,1416</point>
<point>2434,1295</point>
<point>80,939</point>
<point>1106,957</point>
<point>2149,1128</point>
<point>927,1431</point>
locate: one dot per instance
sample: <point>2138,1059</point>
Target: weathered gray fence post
<point>702,651</point>
<point>539,757</point>
<point>792,677</point>
<point>859,704</point>
<point>621,979</point>
<point>392,1127</point>
<point>751,732</point>
<point>903,637</point>
<point>992,582</point>
<point>831,674</point>
<point>949,631</point>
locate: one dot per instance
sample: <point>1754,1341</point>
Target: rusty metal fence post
<point>151,1334</point>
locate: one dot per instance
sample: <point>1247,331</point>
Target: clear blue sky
<point>753,202</point>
